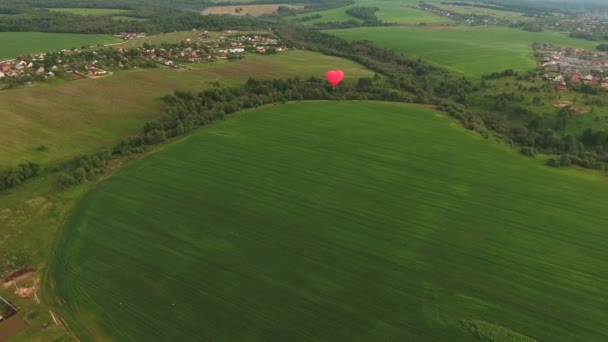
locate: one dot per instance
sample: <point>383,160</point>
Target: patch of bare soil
<point>11,275</point>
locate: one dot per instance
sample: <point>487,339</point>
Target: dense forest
<point>49,21</point>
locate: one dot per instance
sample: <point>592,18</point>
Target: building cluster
<point>198,49</point>
<point>27,67</point>
<point>588,25</point>
<point>131,35</point>
<point>566,66</point>
<point>96,62</point>
<point>467,18</point>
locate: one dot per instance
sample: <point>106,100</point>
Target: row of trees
<point>13,176</point>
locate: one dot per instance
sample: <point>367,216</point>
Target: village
<point>93,62</point>
<point>571,67</point>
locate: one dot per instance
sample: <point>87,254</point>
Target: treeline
<point>588,151</point>
<point>310,17</point>
<point>49,21</point>
<point>187,111</point>
<point>20,6</point>
<point>13,176</point>
<point>365,13</point>
<point>588,36</point>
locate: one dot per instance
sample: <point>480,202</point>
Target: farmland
<point>403,12</point>
<point>470,51</point>
<point>82,116</point>
<point>17,43</point>
<point>337,221</point>
<point>248,9</point>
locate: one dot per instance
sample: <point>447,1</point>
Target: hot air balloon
<point>334,77</point>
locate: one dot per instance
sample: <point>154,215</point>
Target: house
<point>588,78</point>
<point>559,78</point>
<point>40,70</point>
<point>51,74</point>
<point>562,87</point>
<point>5,67</point>
<point>30,65</point>
<point>89,66</point>
<point>575,79</point>
<point>1,74</point>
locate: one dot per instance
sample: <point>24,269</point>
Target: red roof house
<point>575,78</point>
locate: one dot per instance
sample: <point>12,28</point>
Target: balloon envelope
<point>334,77</point>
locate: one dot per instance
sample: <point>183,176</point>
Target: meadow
<point>340,222</point>
<point>248,9</point>
<point>395,11</point>
<point>19,43</point>
<point>85,115</point>
<point>472,51</point>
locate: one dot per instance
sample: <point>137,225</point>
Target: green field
<point>19,43</point>
<point>471,51</point>
<point>337,222</point>
<point>397,11</point>
<point>92,11</point>
<point>86,115</point>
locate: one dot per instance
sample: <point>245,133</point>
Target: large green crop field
<point>395,11</point>
<point>18,43</point>
<point>471,51</point>
<point>337,222</point>
<point>86,115</point>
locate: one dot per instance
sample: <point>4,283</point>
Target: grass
<point>339,222</point>
<point>248,9</point>
<point>19,43</point>
<point>397,11</point>
<point>83,116</point>
<point>471,51</point>
<point>92,11</point>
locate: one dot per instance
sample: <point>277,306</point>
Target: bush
<point>65,180</point>
<point>528,151</point>
<point>554,162</point>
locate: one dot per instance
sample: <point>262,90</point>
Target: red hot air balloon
<point>334,77</point>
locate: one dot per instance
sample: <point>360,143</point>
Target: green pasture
<point>92,11</point>
<point>337,222</point>
<point>403,12</point>
<point>85,115</point>
<point>19,43</point>
<point>472,51</point>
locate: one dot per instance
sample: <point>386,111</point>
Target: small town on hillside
<point>567,67</point>
<point>79,63</point>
